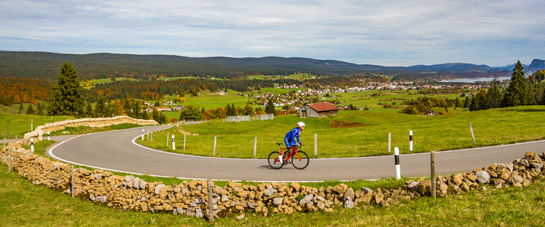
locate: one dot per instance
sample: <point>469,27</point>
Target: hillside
<point>44,65</point>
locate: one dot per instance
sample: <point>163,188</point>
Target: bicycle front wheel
<point>300,160</point>
<point>274,161</point>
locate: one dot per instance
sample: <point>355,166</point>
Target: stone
<point>537,165</point>
<point>224,198</point>
<point>457,179</point>
<point>241,216</point>
<point>510,167</point>
<point>142,185</point>
<point>505,174</point>
<point>295,186</point>
<point>129,178</point>
<point>98,176</point>
<point>102,198</point>
<point>136,183</point>
<point>55,166</point>
<point>411,185</point>
<point>270,191</point>
<point>349,193</point>
<point>306,199</point>
<point>158,188</point>
<point>483,177</point>
<point>348,203</point>
<point>516,180</point>
<point>366,190</point>
<point>92,197</point>
<point>278,201</point>
<point>199,213</point>
<point>340,189</point>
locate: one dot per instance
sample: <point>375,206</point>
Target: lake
<point>473,80</point>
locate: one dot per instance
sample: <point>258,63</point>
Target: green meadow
<point>360,133</point>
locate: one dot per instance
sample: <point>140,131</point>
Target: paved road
<point>115,151</point>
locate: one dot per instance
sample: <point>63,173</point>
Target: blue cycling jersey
<point>289,140</point>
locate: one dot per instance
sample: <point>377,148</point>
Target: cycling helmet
<point>301,124</point>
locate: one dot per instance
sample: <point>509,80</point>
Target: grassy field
<point>369,138</point>
<point>19,124</point>
<point>25,204</point>
<point>87,129</point>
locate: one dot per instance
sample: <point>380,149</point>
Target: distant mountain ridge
<point>45,64</point>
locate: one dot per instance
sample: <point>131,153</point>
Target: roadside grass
<point>445,132</point>
<point>87,129</point>
<point>25,204</point>
<point>20,124</point>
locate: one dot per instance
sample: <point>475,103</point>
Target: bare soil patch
<point>346,124</point>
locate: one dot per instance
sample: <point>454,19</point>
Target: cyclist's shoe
<point>290,161</point>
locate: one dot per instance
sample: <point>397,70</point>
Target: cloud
<point>368,32</point>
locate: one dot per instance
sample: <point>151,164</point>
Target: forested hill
<point>44,65</point>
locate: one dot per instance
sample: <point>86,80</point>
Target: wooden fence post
<point>433,184</point>
<point>472,135</point>
<point>255,145</point>
<point>214,153</point>
<point>9,159</point>
<point>72,182</point>
<point>210,202</point>
<point>315,144</point>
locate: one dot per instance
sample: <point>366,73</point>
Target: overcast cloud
<point>387,32</point>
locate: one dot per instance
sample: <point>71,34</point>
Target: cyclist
<point>289,140</point>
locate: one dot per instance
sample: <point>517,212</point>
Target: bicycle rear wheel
<point>300,162</point>
<point>274,162</point>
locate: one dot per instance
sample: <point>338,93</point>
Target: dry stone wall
<point>191,197</point>
<point>91,122</point>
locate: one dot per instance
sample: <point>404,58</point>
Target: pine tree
<point>494,94</point>
<point>30,110</point>
<point>466,102</point>
<point>517,93</point>
<point>88,110</point>
<point>100,109</point>
<point>40,109</point>
<point>270,107</point>
<point>67,94</point>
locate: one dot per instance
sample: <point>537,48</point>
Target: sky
<point>381,32</point>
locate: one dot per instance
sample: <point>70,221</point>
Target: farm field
<point>365,133</point>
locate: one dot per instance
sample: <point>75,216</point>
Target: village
<point>300,101</point>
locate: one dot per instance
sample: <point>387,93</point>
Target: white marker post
<point>398,167</point>
<point>389,142</point>
<point>32,144</point>
<point>255,145</point>
<point>214,152</point>
<point>142,134</point>
<point>167,139</point>
<point>173,143</point>
<point>184,141</point>
<point>48,137</point>
<point>411,140</point>
<point>315,144</point>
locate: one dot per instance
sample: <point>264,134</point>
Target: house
<point>178,108</point>
<point>430,113</point>
<point>163,109</point>
<point>318,110</point>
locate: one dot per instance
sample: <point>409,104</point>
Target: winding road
<point>117,151</point>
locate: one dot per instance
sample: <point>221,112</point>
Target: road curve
<point>116,151</point>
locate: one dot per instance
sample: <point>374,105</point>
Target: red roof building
<point>321,109</point>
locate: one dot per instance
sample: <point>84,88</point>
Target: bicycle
<point>299,159</point>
